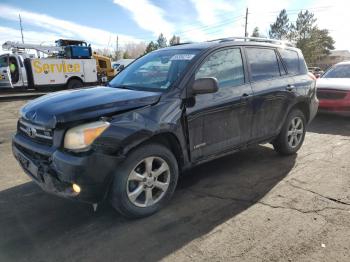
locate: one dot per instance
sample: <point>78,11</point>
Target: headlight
<point>80,137</point>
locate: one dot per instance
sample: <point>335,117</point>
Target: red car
<point>333,90</point>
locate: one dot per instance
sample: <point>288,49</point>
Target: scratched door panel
<point>217,121</point>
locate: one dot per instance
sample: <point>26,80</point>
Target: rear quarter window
<point>291,60</point>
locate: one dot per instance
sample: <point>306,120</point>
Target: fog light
<point>76,188</point>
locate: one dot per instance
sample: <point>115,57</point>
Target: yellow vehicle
<point>104,67</point>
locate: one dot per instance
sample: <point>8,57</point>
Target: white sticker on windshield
<point>182,57</point>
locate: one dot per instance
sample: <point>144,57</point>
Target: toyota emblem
<point>31,132</point>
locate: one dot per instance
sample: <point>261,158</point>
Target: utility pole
<point>117,53</point>
<point>246,23</point>
<point>20,24</point>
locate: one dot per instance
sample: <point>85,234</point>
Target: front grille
<point>331,94</point>
<point>34,156</point>
<point>35,133</point>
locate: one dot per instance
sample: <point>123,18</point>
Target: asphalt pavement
<point>250,206</point>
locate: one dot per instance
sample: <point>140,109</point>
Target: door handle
<point>290,87</point>
<point>245,97</point>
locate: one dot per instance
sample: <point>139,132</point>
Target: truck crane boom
<point>16,47</point>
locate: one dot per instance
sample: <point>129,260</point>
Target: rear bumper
<point>56,171</point>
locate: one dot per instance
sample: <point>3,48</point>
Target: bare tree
<point>135,50</point>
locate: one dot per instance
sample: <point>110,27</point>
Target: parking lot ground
<point>251,206</point>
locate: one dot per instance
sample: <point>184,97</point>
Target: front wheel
<point>74,84</point>
<point>145,181</point>
<point>292,134</point>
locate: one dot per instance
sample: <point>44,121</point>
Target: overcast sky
<point>99,22</point>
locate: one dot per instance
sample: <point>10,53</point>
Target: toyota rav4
<point>166,112</point>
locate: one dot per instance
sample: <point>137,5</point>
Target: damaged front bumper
<point>56,171</point>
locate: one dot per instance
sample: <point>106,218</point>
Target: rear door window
<point>291,60</point>
<point>226,66</point>
<point>263,63</point>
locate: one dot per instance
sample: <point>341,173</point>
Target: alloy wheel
<point>295,132</point>
<point>148,182</point>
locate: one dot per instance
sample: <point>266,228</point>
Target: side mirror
<point>121,68</point>
<point>205,86</point>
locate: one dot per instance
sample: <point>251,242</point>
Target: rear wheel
<point>74,83</point>
<point>292,134</point>
<point>145,181</point>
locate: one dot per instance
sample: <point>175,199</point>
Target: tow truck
<point>68,64</point>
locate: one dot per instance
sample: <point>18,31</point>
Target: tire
<point>292,134</point>
<point>74,83</point>
<point>128,192</point>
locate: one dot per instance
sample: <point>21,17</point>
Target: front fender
<point>130,129</point>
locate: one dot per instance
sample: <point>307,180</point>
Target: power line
<point>320,8</point>
<point>209,28</point>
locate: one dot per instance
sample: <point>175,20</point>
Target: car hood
<point>333,83</point>
<point>69,106</point>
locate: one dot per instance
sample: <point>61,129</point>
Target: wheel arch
<point>167,139</point>
<point>74,78</point>
<point>303,106</point>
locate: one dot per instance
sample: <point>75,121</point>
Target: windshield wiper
<point>124,87</point>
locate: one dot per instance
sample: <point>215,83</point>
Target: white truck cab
<point>51,71</point>
<point>18,78</point>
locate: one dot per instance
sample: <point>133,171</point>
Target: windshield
<point>4,61</point>
<point>339,71</point>
<point>157,70</point>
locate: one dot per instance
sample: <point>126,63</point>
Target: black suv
<point>168,111</point>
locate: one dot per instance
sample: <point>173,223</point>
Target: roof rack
<point>254,39</point>
<point>183,43</point>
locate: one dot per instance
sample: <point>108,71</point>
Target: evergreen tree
<point>174,40</point>
<point>315,43</point>
<point>256,32</point>
<point>304,25</point>
<point>281,28</point>
<point>161,41</point>
<point>151,47</point>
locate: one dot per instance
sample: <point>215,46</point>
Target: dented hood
<point>69,106</point>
